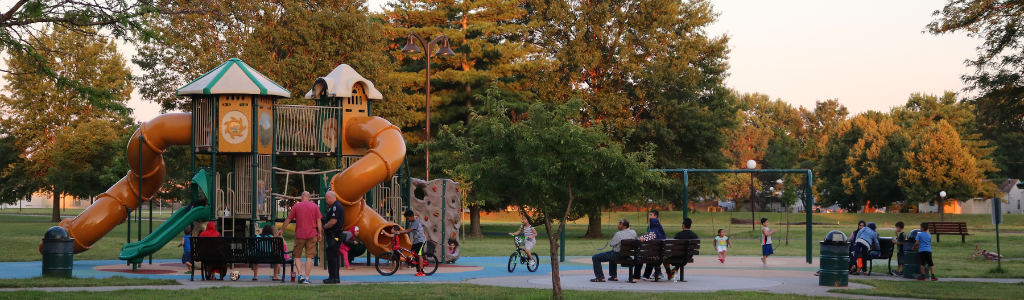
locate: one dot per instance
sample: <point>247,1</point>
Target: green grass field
<point>946,290</point>
<point>385,291</point>
<point>80,282</point>
<point>22,235</point>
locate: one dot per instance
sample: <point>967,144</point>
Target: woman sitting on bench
<point>866,244</point>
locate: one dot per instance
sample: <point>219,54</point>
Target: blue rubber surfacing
<point>492,267</point>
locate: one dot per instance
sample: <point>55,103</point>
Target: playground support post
<point>444,205</point>
<point>808,195</point>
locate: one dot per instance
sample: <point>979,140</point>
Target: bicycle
<point>519,257</point>
<point>387,263</point>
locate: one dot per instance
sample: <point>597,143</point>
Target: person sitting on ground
<point>867,241</point>
<point>686,234</point>
<point>222,268</point>
<point>624,233</point>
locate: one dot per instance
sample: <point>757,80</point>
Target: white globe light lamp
<point>751,164</point>
<point>942,194</point>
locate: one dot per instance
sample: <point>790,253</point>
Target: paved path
<point>784,275</point>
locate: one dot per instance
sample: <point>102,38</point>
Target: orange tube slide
<point>385,156</point>
<point>112,207</point>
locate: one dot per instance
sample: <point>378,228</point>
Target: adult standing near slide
<point>307,232</point>
<point>332,231</point>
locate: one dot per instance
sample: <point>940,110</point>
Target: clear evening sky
<point>871,55</point>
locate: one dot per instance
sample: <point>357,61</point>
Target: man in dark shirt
<point>686,234</point>
<point>335,220</point>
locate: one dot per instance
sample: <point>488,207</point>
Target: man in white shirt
<point>624,233</point>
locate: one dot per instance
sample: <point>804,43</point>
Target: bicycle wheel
<point>513,260</point>
<point>387,263</point>
<point>431,264</point>
<point>536,263</point>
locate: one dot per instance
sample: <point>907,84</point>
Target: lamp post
<point>444,50</point>
<point>751,164</point>
<point>942,206</point>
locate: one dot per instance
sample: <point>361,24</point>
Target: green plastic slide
<point>135,252</point>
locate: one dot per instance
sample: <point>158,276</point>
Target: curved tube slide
<point>113,206</point>
<point>385,155</point>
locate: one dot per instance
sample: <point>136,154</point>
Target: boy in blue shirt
<point>923,245</point>
<point>186,256</point>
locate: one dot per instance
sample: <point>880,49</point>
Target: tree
<point>874,162</point>
<point>488,39</point>
<point>997,82</point>
<point>817,123</point>
<point>923,110</point>
<point>788,199</point>
<point>40,107</point>
<point>525,161</point>
<point>81,155</point>
<point>26,20</point>
<point>938,161</point>
<point>16,180</point>
<point>291,42</point>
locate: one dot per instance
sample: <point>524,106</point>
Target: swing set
<point>808,203</point>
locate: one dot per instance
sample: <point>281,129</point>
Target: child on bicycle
<point>531,238</point>
<point>417,238</point>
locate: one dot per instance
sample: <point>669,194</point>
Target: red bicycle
<point>387,263</point>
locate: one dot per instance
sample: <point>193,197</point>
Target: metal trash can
<point>911,264</point>
<point>835,260</point>
<point>58,251</point>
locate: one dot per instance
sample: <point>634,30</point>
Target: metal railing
<point>202,128</point>
<point>305,129</point>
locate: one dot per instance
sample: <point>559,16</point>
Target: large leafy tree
<point>997,82</point>
<point>939,161</point>
<point>26,20</point>
<point>646,70</point>
<point>874,162</point>
<point>524,160</point>
<point>923,110</point>
<point>81,156</point>
<point>488,38</point>
<point>292,42</point>
<point>40,107</point>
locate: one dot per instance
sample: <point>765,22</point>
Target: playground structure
<point>236,132</point>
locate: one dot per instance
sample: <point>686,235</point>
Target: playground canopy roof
<point>339,83</point>
<point>234,77</point>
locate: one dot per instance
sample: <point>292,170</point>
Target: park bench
<point>636,253</point>
<point>230,250</point>
<point>956,228</point>
<point>886,247</point>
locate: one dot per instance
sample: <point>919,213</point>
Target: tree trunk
<point>556,280</point>
<point>56,207</point>
<point>474,221</point>
<point>594,226</point>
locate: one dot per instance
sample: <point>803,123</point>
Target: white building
<point>45,200</point>
<point>1009,191</point>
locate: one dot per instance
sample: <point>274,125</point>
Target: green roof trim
<point>200,77</point>
<point>245,68</point>
<point>265,76</point>
<point>224,69</point>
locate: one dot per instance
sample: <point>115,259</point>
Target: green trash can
<point>58,252</point>
<point>835,260</point>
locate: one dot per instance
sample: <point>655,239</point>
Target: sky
<point>868,54</point>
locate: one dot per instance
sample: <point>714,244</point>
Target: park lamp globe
<point>942,194</point>
<point>751,164</point>
<point>410,46</point>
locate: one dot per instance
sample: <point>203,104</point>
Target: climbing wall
<point>429,206</point>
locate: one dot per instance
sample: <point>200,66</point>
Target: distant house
<point>1011,193</point>
<point>952,206</point>
<point>43,199</point>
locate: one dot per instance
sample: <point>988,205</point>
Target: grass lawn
<point>385,291</point>
<point>80,282</point>
<point>938,290</point>
<point>22,235</point>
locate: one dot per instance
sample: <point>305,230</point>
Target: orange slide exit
<point>384,157</point>
<point>112,207</point>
